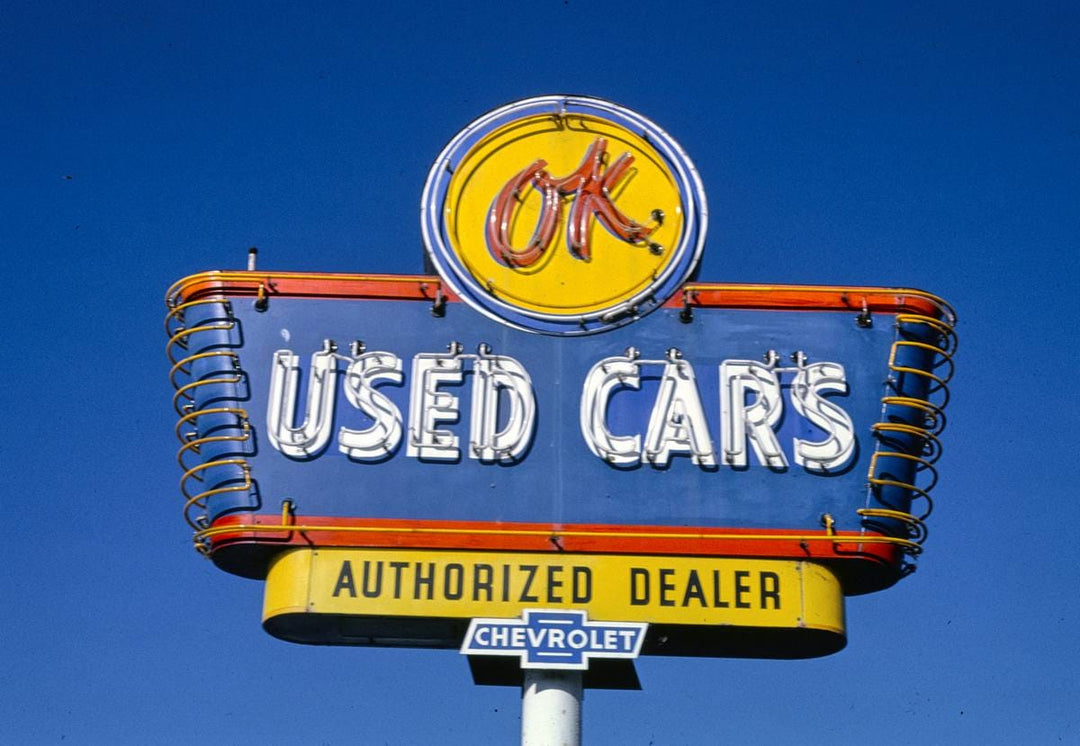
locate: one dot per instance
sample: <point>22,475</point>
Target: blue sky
<point>932,145</point>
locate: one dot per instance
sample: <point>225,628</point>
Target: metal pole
<point>551,708</point>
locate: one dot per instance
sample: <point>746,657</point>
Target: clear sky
<point>932,145</point>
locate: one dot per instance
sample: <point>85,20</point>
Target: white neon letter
<point>837,449</point>
<point>379,440</point>
<point>607,375</point>
<point>428,406</point>
<point>310,438</point>
<point>493,374</point>
<point>754,422</point>
<point>677,423</point>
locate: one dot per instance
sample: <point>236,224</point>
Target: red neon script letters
<point>591,186</point>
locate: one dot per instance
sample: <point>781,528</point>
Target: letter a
<point>345,581</point>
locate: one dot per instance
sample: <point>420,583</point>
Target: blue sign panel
<point>374,416</point>
<point>707,424</point>
<point>554,639</point>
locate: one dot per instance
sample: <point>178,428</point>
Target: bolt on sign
<point>560,427</point>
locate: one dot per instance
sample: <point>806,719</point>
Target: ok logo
<point>591,186</point>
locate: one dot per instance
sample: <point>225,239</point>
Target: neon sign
<point>592,189</point>
<point>494,202</point>
<point>559,417</point>
<point>751,404</point>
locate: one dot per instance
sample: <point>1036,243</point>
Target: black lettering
<point>367,589</point>
<point>582,585</point>
<point>531,569</point>
<point>398,567</point>
<point>506,583</point>
<point>666,587</point>
<point>482,585</point>
<point>694,590</point>
<point>552,584</point>
<point>452,581</point>
<point>741,589</point>
<point>345,580</point>
<point>770,589</point>
<point>422,580</point>
<point>718,596</point>
<point>639,598</point>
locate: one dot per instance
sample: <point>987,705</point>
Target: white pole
<point>551,708</point>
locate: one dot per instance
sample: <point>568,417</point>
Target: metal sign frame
<point>900,474</point>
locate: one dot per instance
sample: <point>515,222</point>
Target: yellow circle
<point>560,283</point>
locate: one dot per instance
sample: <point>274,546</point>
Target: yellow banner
<point>658,590</point>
